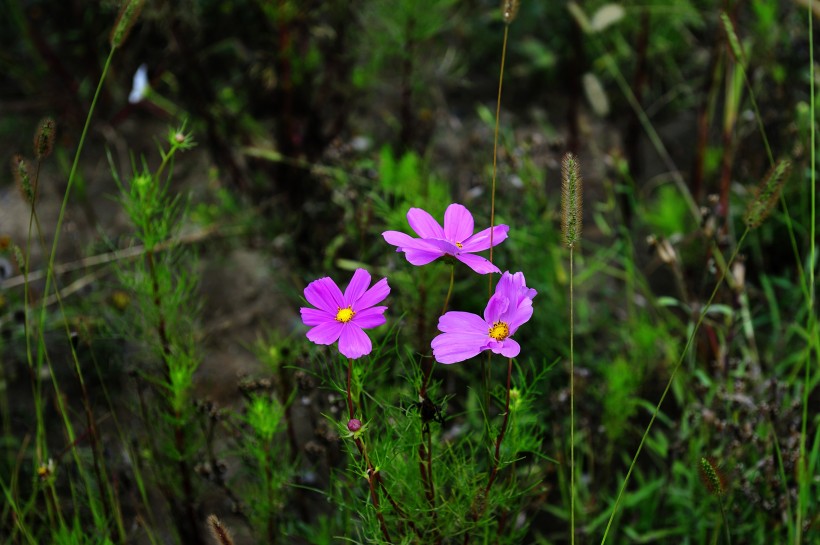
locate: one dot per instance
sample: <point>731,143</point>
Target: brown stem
<point>501,434</point>
<point>372,477</point>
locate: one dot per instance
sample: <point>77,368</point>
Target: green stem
<point>495,149</point>
<point>71,177</point>
<point>803,473</point>
<point>725,521</point>
<point>571,398</point>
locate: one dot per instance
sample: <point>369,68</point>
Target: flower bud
<point>354,425</point>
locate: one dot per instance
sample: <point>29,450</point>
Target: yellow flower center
<point>460,245</point>
<point>500,331</point>
<point>345,315</point>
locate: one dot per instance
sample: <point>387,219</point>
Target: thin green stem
<point>725,521</point>
<point>450,289</point>
<point>349,394</point>
<point>71,177</point>
<point>486,365</point>
<point>675,370</point>
<point>571,398</point>
<point>495,149</point>
<point>803,470</point>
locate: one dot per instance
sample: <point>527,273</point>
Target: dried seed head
<point>767,194</point>
<point>571,200</point>
<point>129,13</point>
<point>666,252</point>
<point>712,477</point>
<point>220,533</point>
<point>509,9</point>
<point>44,138</point>
<point>20,171</point>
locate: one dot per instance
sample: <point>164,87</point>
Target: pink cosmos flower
<point>464,335</point>
<point>343,318</point>
<point>455,239</point>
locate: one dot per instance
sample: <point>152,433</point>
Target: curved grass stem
<point>675,370</point>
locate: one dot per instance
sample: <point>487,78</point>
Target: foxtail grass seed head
<point>129,13</point>
<point>220,533</point>
<point>509,9</point>
<point>767,194</point>
<point>19,257</point>
<point>571,200</point>
<point>20,171</point>
<point>712,477</point>
<point>44,138</point>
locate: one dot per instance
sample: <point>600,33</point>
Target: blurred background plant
<point>319,124</point>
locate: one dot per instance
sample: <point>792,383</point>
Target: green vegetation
<point>157,384</point>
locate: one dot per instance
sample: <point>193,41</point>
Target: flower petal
<point>424,224</point>
<point>458,223</point>
<point>477,263</point>
<point>497,306</point>
<point>463,322</point>
<point>445,246</point>
<point>354,343</point>
<point>422,257</point>
<point>481,240</point>
<point>508,348</point>
<point>326,333</point>
<point>312,316</point>
<point>374,295</point>
<point>325,294</point>
<point>358,285</point>
<point>370,317</point>
<point>404,241</point>
<point>518,315</point>
<point>456,347</point>
<point>514,287</point>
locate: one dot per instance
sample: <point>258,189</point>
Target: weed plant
<point>465,367</point>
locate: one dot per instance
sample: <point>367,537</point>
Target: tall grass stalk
<point>678,364</point>
<point>508,12</point>
<point>803,472</point>
<point>571,224</point>
<point>42,354</point>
